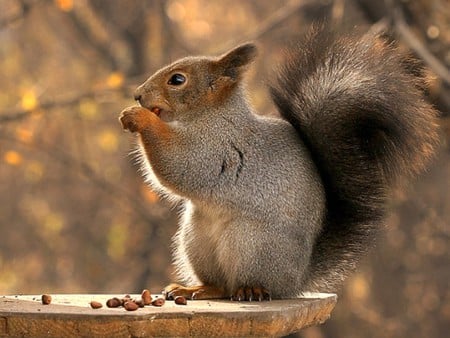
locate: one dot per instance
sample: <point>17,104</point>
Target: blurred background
<point>75,215</point>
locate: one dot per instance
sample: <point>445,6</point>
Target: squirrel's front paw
<point>135,118</point>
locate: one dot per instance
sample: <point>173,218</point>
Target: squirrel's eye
<point>177,79</point>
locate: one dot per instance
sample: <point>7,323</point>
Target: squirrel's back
<point>357,104</point>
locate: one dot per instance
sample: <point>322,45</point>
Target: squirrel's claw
<point>251,294</point>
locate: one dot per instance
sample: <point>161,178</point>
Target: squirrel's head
<point>181,88</point>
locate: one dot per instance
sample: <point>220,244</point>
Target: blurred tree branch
<point>111,45</point>
<point>20,114</point>
<point>276,19</point>
<point>14,115</point>
<point>416,45</point>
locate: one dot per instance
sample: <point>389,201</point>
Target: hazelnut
<point>146,297</point>
<point>95,305</point>
<point>130,306</point>
<point>113,302</point>
<point>46,299</point>
<point>158,302</point>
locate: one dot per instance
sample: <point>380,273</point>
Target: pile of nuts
<point>130,304</point>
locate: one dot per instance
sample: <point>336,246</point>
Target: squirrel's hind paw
<point>194,292</point>
<point>251,294</point>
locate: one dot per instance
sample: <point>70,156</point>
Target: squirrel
<point>277,206</point>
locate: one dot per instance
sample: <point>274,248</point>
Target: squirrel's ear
<point>234,62</point>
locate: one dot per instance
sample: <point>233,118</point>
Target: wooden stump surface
<point>71,316</point>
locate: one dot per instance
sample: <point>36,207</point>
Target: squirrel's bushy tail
<point>357,104</point>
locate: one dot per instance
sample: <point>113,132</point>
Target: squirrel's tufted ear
<point>234,62</point>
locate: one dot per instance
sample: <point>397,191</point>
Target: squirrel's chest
<point>201,235</point>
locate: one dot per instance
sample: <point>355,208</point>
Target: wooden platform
<point>71,316</point>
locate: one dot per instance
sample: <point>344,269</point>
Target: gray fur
<point>285,204</point>
<point>244,211</point>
